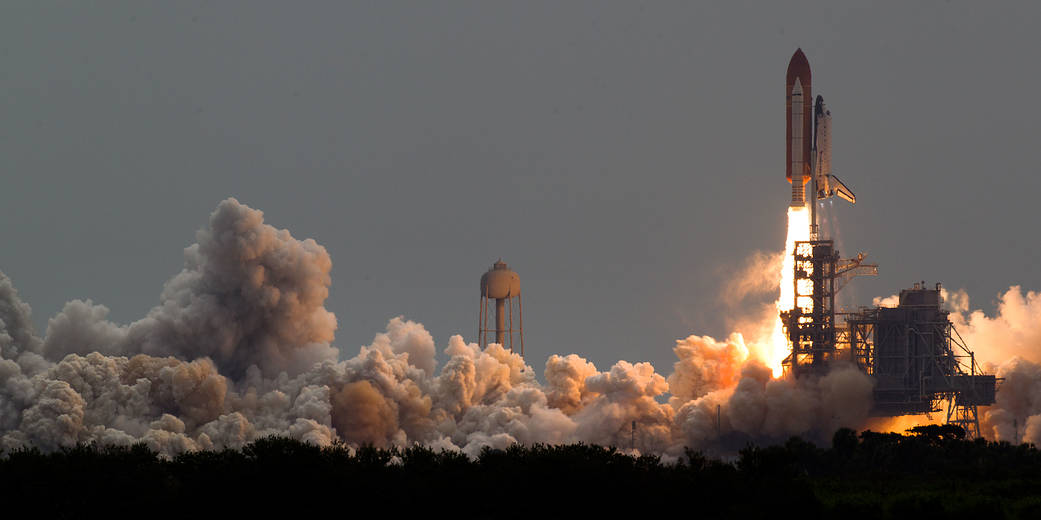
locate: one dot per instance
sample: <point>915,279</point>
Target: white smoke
<point>1009,344</point>
<point>1015,330</point>
<point>239,348</point>
<point>1016,414</point>
<point>705,365</point>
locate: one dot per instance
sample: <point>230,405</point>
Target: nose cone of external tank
<point>799,67</point>
<point>500,282</point>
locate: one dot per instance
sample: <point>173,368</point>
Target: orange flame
<point>798,229</point>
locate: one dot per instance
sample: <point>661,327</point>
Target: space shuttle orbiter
<point>824,182</point>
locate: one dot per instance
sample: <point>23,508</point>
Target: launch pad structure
<point>812,332</point>
<point>912,352</point>
<point>918,360</point>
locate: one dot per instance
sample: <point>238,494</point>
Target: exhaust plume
<point>1009,344</point>
<point>249,295</point>
<point>240,347</point>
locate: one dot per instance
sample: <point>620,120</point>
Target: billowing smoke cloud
<point>762,408</point>
<point>249,295</point>
<point>1009,344</point>
<point>706,365</point>
<point>1015,331</point>
<point>239,347</point>
<point>16,335</point>
<point>1016,416</point>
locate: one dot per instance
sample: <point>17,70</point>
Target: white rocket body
<point>826,184</point>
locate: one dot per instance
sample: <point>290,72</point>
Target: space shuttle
<point>826,184</point>
<point>808,139</point>
<point>799,127</point>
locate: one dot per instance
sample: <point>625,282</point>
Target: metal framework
<point>810,324</point>
<point>912,351</point>
<point>918,360</point>
<point>811,321</point>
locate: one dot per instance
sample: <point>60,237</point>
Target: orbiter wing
<point>837,188</point>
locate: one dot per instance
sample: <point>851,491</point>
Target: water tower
<point>502,285</point>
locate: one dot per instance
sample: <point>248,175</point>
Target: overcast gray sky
<point>622,157</point>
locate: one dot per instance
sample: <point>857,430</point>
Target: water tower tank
<point>501,285</point>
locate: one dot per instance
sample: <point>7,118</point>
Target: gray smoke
<point>762,408</point>
<point>239,347</point>
<point>16,333</point>
<point>1016,414</point>
<point>249,295</point>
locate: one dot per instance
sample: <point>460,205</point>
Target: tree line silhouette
<point>931,472</point>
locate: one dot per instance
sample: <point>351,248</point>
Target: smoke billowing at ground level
<point>240,347</point>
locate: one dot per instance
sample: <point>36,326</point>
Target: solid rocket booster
<point>799,126</point>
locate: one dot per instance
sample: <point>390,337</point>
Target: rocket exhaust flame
<point>798,230</point>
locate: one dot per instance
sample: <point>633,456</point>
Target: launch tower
<point>810,324</point>
<point>819,272</point>
<point>912,351</point>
